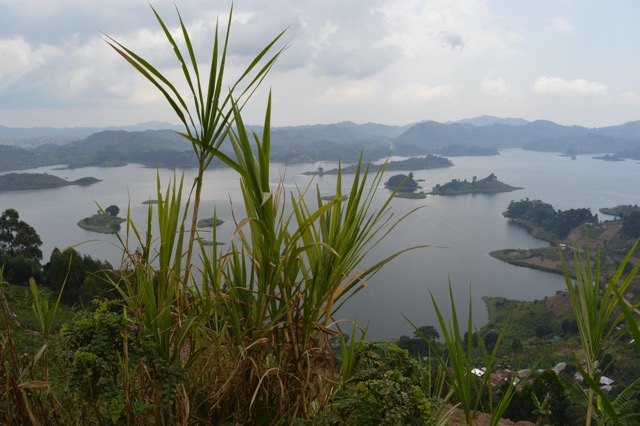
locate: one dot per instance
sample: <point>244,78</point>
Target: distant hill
<point>540,135</point>
<point>487,120</point>
<point>344,141</point>
<point>36,136</point>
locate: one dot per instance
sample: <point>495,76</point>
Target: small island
<point>405,187</point>
<point>106,222</point>
<point>333,197</point>
<point>23,181</point>
<point>402,183</point>
<point>411,195</point>
<point>150,202</point>
<point>209,222</point>
<point>609,157</point>
<point>414,163</point>
<point>488,185</point>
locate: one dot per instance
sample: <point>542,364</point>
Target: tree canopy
<point>19,248</point>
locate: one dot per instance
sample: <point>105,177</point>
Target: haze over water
<point>469,226</point>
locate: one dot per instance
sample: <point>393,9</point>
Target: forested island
<point>104,222</point>
<point>209,222</point>
<point>414,163</point>
<point>488,185</point>
<point>23,181</point>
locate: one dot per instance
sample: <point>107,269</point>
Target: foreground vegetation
<point>251,337</point>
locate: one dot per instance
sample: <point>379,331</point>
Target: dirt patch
<point>560,304</point>
<point>457,419</point>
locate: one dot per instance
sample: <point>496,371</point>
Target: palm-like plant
<point>207,120</point>
<point>252,335</point>
<point>596,306</point>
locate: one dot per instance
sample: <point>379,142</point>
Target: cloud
<point>559,25</point>
<point>349,91</point>
<point>455,41</point>
<point>494,86</point>
<point>19,59</point>
<point>421,92</point>
<point>556,86</point>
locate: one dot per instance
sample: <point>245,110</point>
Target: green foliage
<point>84,278</point>
<point>544,216</point>
<point>631,224</point>
<point>384,389</point>
<point>19,248</point>
<point>417,345</point>
<point>594,305</point>
<point>112,210</point>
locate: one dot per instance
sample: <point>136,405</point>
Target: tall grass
<point>248,333</point>
<point>599,309</point>
<point>456,365</point>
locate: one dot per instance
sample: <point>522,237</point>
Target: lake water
<point>465,228</point>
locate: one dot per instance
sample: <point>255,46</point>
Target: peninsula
<point>414,163</point>
<point>621,210</point>
<point>488,185</point>
<point>23,181</point>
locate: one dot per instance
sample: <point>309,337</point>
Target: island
<point>402,183</point>
<point>209,222</point>
<point>405,186</point>
<point>414,163</point>
<point>333,197</point>
<point>411,195</point>
<point>609,157</point>
<point>488,185</point>
<point>103,222</point>
<point>150,202</point>
<point>23,181</point>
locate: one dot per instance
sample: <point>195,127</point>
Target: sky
<point>574,62</point>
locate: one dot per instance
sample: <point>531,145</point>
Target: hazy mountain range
<point>156,144</point>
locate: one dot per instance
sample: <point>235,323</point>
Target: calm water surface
<point>462,229</point>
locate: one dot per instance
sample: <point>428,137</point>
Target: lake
<point>464,228</point>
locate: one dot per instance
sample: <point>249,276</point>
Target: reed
<point>599,309</point>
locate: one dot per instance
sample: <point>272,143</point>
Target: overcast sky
<point>384,61</point>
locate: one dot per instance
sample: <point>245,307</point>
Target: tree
<point>112,210</point>
<point>85,278</point>
<point>19,248</point>
<point>631,224</point>
<point>418,345</point>
<point>427,332</point>
<point>572,218</point>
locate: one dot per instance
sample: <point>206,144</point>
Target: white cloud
<point>559,25</point>
<point>494,86</point>
<point>556,86</point>
<point>421,92</point>
<point>18,59</point>
<point>351,91</point>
